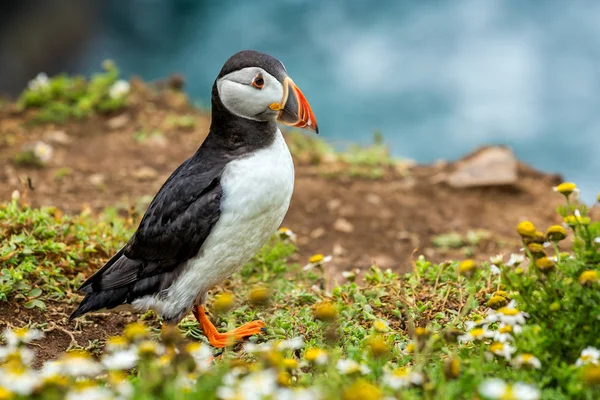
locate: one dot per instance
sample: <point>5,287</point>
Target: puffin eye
<point>258,82</point>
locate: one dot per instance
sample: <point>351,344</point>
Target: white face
<point>243,95</point>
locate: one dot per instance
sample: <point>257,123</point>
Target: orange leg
<point>220,340</point>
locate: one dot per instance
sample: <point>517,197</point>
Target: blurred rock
<point>58,137</point>
<point>343,225</point>
<point>118,122</point>
<point>338,250</point>
<point>373,199</point>
<point>489,166</point>
<point>97,179</point>
<point>317,233</point>
<point>145,173</point>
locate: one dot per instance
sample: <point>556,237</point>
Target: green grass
<point>391,326</point>
<point>372,161</point>
<point>61,98</point>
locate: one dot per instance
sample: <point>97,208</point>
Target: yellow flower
<point>467,267</point>
<point>289,363</point>
<point>317,258</point>
<point>284,379</point>
<point>5,394</point>
<point>503,294</point>
<point>224,303</point>
<point>409,348</point>
<point>378,346</point>
<point>316,356</point>
<point>497,302</point>
<point>115,343</point>
<point>536,249</point>
<point>474,334</point>
<point>555,306</point>
<point>588,277</point>
<point>598,198</point>
<point>325,311</point>
<point>574,220</point>
<point>381,326</point>
<point>591,374</point>
<point>286,234</point>
<point>566,188</point>
<point>556,233</point>
<point>502,349</point>
<point>135,331</point>
<point>148,348</point>
<point>362,390</point>
<point>544,264</point>
<point>452,368</point>
<point>526,229</point>
<point>259,295</point>
<point>419,331</point>
<point>539,237</point>
<point>528,360</point>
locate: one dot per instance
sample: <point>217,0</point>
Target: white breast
<point>256,194</point>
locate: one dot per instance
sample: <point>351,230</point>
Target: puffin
<point>218,208</point>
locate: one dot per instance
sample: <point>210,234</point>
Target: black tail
<point>98,300</point>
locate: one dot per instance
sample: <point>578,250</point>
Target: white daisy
<point>120,360</point>
<point>202,355</point>
<point>402,377</point>
<point>287,234</point>
<point>589,355</point>
<point>347,367</point>
<point>497,259</point>
<point>79,364</point>
<point>19,380</point>
<point>515,260</point>
<point>317,260</point>
<point>297,394</point>
<point>502,349</point>
<point>258,385</point>
<point>41,81</point>
<point>16,337</point>
<point>526,359</point>
<point>478,333</point>
<point>42,151</point>
<point>119,89</point>
<point>291,344</point>
<point>508,315</point>
<point>22,354</point>
<point>91,393</point>
<point>505,332</point>
<point>257,348</point>
<point>498,389</point>
<point>494,269</point>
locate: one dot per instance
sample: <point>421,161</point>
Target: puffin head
<point>255,86</point>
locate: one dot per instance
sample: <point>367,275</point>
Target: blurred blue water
<point>437,78</point>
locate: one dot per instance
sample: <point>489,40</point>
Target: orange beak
<point>294,109</point>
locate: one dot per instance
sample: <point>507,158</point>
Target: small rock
<point>343,225</point>
<point>145,173</point>
<point>373,199</point>
<point>333,204</point>
<point>490,166</point>
<point>384,262</point>
<point>317,233</point>
<point>58,137</point>
<point>118,122</point>
<point>97,179</point>
<point>338,250</point>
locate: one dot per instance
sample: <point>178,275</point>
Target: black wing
<point>174,227</point>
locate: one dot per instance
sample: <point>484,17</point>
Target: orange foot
<point>220,340</point>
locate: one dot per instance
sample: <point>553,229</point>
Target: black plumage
<point>186,208</point>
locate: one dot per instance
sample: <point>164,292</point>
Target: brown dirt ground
<point>356,220</point>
